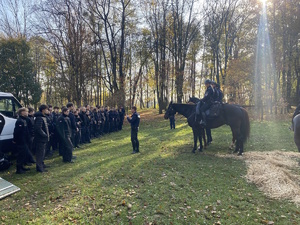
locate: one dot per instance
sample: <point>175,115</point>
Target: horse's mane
<point>184,109</point>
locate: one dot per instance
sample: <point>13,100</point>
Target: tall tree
<point>17,71</point>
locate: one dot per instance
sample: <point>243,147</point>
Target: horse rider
<point>220,93</point>
<point>205,103</point>
<point>216,93</point>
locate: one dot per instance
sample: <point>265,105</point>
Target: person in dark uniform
<point>31,129</point>
<point>49,117</point>
<point>172,118</point>
<point>30,125</point>
<point>102,120</point>
<point>78,125</point>
<point>134,122</point>
<point>205,103</point>
<point>84,126</point>
<point>65,131</point>
<point>54,140</point>
<point>70,107</point>
<point>111,119</point>
<point>220,93</point>
<point>21,139</point>
<point>121,115</point>
<point>95,120</point>
<point>216,93</point>
<point>107,124</point>
<point>41,137</point>
<point>89,125</point>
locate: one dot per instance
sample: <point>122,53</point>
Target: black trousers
<point>134,138</point>
<point>40,155</point>
<point>67,149</point>
<point>73,137</point>
<point>54,141</point>
<point>77,138</point>
<point>85,134</point>
<point>21,158</point>
<point>172,122</point>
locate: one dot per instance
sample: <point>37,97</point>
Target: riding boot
<point>203,121</point>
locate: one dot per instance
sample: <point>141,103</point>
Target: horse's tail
<point>245,128</point>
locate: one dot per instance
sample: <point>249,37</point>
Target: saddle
<point>214,111</point>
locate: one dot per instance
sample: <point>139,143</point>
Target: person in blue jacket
<point>134,122</point>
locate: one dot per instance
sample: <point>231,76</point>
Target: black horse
<point>233,115</point>
<point>189,112</point>
<point>208,131</point>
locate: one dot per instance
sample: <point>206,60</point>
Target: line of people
<point>48,130</point>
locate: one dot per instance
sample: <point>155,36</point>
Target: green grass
<point>164,184</point>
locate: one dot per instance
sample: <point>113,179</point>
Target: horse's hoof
<point>240,154</point>
<point>200,149</point>
<point>193,151</point>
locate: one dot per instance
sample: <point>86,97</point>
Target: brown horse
<point>233,115</point>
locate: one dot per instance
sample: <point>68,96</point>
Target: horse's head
<point>166,116</point>
<point>193,100</point>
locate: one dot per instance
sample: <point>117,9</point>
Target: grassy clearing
<point>164,184</point>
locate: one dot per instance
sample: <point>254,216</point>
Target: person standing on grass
<point>21,139</point>
<point>30,124</point>
<point>41,137</point>
<point>71,116</point>
<point>65,133</point>
<point>55,115</point>
<point>172,118</point>
<point>134,122</point>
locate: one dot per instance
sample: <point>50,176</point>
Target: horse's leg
<point>235,133</point>
<point>208,134</point>
<point>241,147</point>
<point>203,136</point>
<point>200,140</point>
<point>195,140</point>
<point>231,146</point>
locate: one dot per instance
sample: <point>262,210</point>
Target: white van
<point>9,106</point>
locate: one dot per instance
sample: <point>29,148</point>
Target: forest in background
<point>147,52</point>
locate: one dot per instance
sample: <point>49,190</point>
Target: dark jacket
<point>50,123</point>
<point>21,132</point>
<point>78,121</point>
<point>41,130</point>
<point>121,114</point>
<point>209,95</point>
<point>220,95</point>
<point>72,121</point>
<point>54,118</point>
<point>172,113</point>
<point>63,127</point>
<point>134,120</point>
<point>30,123</point>
<point>84,119</point>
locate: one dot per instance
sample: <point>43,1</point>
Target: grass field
<point>164,184</point>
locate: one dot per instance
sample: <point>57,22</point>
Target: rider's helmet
<point>208,81</point>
